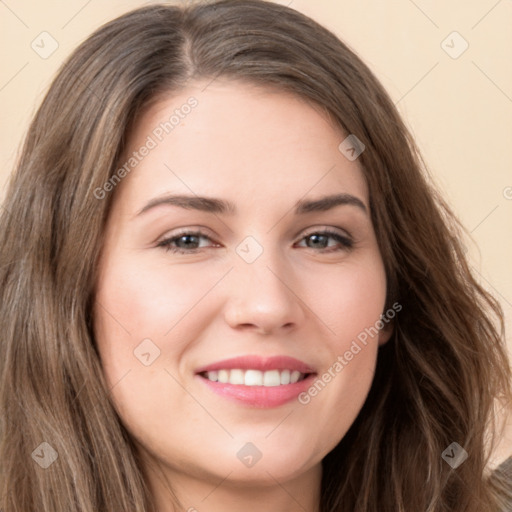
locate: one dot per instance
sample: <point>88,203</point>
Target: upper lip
<point>253,362</point>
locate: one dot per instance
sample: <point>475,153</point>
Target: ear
<point>385,333</point>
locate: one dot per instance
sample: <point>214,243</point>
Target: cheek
<point>347,298</point>
<point>156,302</point>
<point>146,319</point>
<point>351,306</point>
<point>147,299</point>
<point>136,306</point>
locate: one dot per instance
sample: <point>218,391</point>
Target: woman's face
<point>252,294</point>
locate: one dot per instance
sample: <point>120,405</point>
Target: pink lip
<point>259,396</point>
<point>262,397</point>
<point>258,363</point>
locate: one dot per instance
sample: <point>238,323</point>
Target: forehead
<point>243,142</point>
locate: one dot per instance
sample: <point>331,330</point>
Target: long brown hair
<point>437,379</point>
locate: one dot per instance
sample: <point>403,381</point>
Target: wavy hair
<point>437,380</point>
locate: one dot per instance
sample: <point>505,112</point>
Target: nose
<point>264,297</point>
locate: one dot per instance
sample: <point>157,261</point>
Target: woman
<point>323,348</point>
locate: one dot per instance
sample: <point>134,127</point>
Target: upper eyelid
<point>337,231</point>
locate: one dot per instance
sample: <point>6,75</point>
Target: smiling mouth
<point>269,378</point>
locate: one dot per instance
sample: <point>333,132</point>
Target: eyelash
<point>344,241</point>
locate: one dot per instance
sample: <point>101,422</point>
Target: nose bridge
<point>261,263</point>
<point>261,287</point>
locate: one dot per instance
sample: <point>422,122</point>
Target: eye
<point>320,240</point>
<point>187,242</point>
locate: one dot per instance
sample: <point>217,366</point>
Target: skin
<point>263,150</point>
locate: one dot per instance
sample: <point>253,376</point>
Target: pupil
<point>316,238</point>
<point>187,239</point>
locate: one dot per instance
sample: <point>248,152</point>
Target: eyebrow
<point>223,207</point>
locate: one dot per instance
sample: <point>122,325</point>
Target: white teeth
<point>236,377</point>
<point>253,378</point>
<point>223,376</point>
<point>285,377</point>
<point>270,378</point>
<point>294,377</point>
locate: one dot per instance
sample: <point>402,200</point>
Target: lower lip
<point>260,396</point>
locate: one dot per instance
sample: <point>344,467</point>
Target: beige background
<point>459,109</point>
